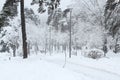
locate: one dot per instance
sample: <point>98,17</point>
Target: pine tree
<point>53,4</point>
<point>31,16</point>
<point>112,21</point>
<point>9,11</point>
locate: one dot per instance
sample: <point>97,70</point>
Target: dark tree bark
<point>105,49</point>
<point>24,38</point>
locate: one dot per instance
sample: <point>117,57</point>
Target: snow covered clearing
<point>45,67</point>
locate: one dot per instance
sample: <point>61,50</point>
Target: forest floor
<point>46,67</point>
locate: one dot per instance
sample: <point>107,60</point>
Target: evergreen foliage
<point>9,11</point>
<point>112,21</point>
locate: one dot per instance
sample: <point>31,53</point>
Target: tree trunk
<point>70,41</point>
<point>105,50</point>
<point>23,30</point>
<point>14,51</point>
<point>116,46</point>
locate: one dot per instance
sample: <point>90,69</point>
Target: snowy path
<point>89,69</point>
<point>94,73</point>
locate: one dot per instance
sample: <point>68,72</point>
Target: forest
<point>80,35</point>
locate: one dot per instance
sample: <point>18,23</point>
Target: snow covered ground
<point>41,67</point>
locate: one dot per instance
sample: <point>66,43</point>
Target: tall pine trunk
<point>24,38</point>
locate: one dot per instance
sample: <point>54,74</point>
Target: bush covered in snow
<point>93,53</point>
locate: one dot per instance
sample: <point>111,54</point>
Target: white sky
<point>1,4</point>
<point>65,3</point>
